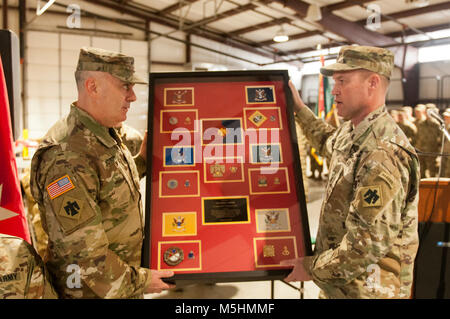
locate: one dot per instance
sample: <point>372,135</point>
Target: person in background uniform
<point>367,238</point>
<point>22,272</point>
<point>420,112</point>
<point>40,238</point>
<point>86,184</point>
<point>407,127</point>
<point>394,115</point>
<point>446,159</point>
<point>428,141</point>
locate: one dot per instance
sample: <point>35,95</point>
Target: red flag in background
<point>12,213</point>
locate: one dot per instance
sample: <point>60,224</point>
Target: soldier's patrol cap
<point>117,64</point>
<point>374,59</point>
<point>447,112</point>
<point>421,107</point>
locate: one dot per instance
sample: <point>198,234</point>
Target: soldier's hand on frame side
<point>298,272</point>
<point>156,284</point>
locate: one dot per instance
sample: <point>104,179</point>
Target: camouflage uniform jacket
<point>428,136</point>
<point>367,238</point>
<point>410,131</point>
<point>93,217</point>
<point>22,272</point>
<point>131,138</point>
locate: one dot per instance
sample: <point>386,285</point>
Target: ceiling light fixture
<point>314,13</point>
<point>281,36</point>
<point>40,10</point>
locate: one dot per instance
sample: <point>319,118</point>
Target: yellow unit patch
<point>371,196</point>
<point>180,224</point>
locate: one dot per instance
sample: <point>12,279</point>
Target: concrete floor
<point>257,289</point>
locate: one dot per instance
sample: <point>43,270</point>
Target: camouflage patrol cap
<point>117,64</point>
<point>421,107</point>
<point>374,59</point>
<point>446,112</point>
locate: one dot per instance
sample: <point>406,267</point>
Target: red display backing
<point>224,169</point>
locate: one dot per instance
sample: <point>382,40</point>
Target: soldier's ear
<point>374,81</point>
<point>90,85</point>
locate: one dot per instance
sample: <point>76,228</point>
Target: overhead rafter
<point>201,31</point>
<point>405,57</point>
<point>414,12</point>
<point>431,28</point>
<point>175,7</point>
<point>261,26</point>
<point>345,4</point>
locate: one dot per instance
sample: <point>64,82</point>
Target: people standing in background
<point>428,141</point>
<point>407,126</point>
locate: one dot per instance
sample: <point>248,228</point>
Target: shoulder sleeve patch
<point>371,196</point>
<point>388,179</point>
<point>71,208</point>
<point>60,186</point>
<point>72,212</point>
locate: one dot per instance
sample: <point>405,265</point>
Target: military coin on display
<point>173,256</point>
<point>172,184</point>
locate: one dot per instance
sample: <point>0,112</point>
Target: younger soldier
<point>367,238</point>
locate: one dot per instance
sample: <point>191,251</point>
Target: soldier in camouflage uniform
<point>428,141</point>
<point>367,238</point>
<point>446,159</point>
<point>130,137</point>
<point>40,238</point>
<point>407,127</point>
<point>408,111</point>
<point>86,184</point>
<point>22,272</point>
<point>132,140</point>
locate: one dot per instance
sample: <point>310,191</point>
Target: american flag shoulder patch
<point>60,186</point>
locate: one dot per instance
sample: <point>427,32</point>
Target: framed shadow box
<point>224,194</point>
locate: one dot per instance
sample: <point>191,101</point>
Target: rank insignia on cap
<point>59,187</point>
<point>371,196</point>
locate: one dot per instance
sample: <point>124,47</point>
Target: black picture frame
<point>224,76</point>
